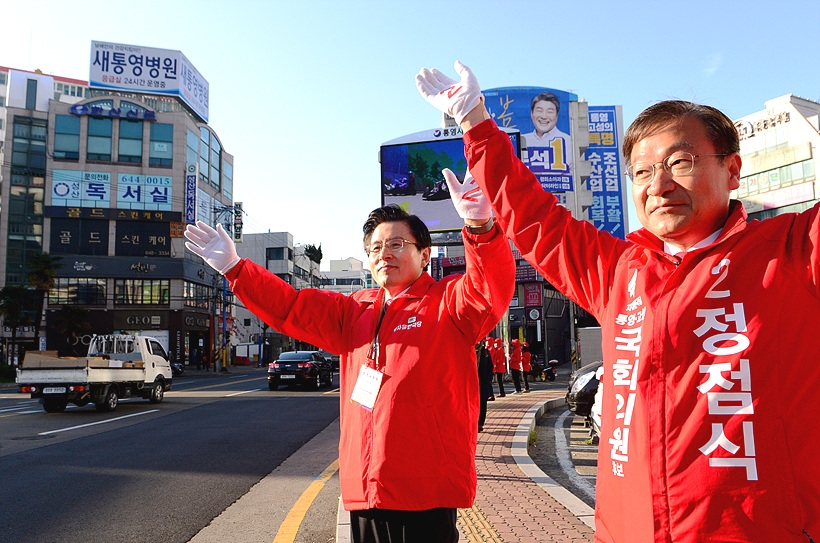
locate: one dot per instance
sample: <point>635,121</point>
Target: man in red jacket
<point>408,436</point>
<point>526,366</point>
<point>515,364</point>
<point>499,366</point>
<point>698,443</point>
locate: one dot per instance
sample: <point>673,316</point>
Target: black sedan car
<point>582,387</point>
<point>307,368</point>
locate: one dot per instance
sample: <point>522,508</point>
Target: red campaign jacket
<point>416,449</point>
<point>499,360</point>
<point>711,362</point>
<point>526,356</point>
<point>515,358</point>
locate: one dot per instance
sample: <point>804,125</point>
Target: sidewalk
<point>515,502</point>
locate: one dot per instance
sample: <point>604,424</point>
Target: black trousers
<point>516,375</point>
<point>388,526</point>
<point>499,377</point>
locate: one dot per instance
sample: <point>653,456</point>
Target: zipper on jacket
<point>807,535</point>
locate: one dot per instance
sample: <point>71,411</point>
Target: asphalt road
<point>167,472</point>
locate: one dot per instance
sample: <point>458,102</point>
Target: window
<point>275,253</point>
<point>195,295</point>
<point>191,148</point>
<point>99,139</point>
<point>204,153</point>
<point>3,78</point>
<point>29,143</point>
<point>142,291</point>
<point>77,291</point>
<point>2,101</point>
<point>130,142</point>
<point>25,234</point>
<point>161,150</point>
<point>67,137</point>
<point>216,159</point>
<point>227,180</point>
<point>31,94</point>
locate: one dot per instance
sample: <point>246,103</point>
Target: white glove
<point>469,201</point>
<point>455,98</point>
<point>214,246</point>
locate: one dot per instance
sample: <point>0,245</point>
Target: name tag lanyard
<point>370,377</point>
<point>373,353</point>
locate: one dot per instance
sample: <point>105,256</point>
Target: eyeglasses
<point>394,245</point>
<point>679,163</point>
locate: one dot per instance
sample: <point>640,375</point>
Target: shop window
<point>77,291</point>
<point>142,292</point>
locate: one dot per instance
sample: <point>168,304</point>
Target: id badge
<point>367,387</point>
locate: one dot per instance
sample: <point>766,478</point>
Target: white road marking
<point>98,422</point>
<point>240,393</point>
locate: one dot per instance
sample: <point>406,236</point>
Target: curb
<point>520,454</point>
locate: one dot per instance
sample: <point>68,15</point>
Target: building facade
<point>777,146</point>
<point>106,180</point>
<point>277,253</point>
<point>347,276</point>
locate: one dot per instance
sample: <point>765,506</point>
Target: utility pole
<point>231,219</point>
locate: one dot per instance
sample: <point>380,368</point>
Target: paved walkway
<point>515,502</point>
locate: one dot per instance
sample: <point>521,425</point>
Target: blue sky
<point>303,93</point>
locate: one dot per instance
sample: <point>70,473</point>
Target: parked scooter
<point>551,370</point>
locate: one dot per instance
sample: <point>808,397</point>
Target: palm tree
<point>72,321</point>
<point>14,300</point>
<point>314,253</point>
<point>42,273</point>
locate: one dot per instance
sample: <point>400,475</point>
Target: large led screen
<point>411,178</point>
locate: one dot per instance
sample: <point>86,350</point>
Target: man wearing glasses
<point>701,439</point>
<point>409,385</point>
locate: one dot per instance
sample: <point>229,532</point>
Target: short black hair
<point>393,213</point>
<point>545,97</point>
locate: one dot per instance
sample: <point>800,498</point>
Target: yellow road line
<point>290,526</point>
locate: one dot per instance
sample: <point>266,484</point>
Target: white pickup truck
<point>117,366</point>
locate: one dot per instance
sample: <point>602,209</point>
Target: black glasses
<point>678,163</point>
<point>394,245</point>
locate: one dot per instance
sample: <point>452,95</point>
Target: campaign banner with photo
<point>542,116</point>
<point>606,180</point>
<point>149,70</point>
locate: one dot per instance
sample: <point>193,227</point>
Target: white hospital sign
<point>145,69</point>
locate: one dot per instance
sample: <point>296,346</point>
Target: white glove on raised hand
<point>215,246</point>
<point>455,98</point>
<point>469,201</point>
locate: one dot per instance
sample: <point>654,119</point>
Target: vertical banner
<point>542,116</point>
<point>191,176</point>
<point>533,295</point>
<point>606,181</point>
